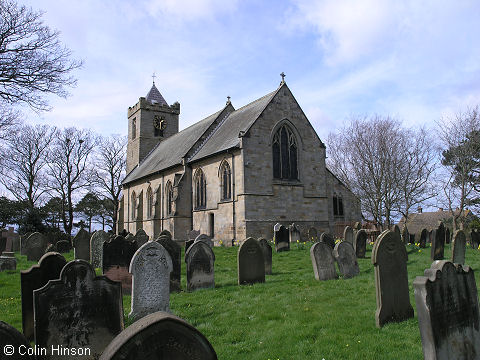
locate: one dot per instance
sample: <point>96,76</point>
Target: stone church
<point>232,175</point>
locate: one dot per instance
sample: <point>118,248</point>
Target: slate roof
<point>154,96</point>
<point>426,220</point>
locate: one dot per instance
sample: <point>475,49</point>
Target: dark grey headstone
<point>175,252</point>
<point>389,258</point>
<point>96,248</point>
<point>13,345</point>
<point>396,229</point>
<point>422,238</point>
<point>360,243</point>
<point>323,262</point>
<point>200,261</point>
<point>48,268</point>
<point>8,261</point>
<point>438,243</point>
<point>348,234</point>
<point>327,239</point>
<point>346,259</point>
<point>267,255</point>
<point>474,239</point>
<point>168,234</point>
<point>312,234</point>
<point>294,233</point>
<point>141,237</point>
<point>458,247</point>
<point>447,308</point>
<point>81,244</point>
<point>193,234</point>
<point>160,336</point>
<point>250,261</point>
<point>405,235</point>
<point>205,238</point>
<point>188,243</point>
<point>281,236</point>
<point>35,246</point>
<point>118,252</point>
<point>79,310</point>
<point>447,236</point>
<point>63,246</point>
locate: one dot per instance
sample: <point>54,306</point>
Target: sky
<point>418,61</point>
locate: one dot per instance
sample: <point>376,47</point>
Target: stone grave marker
<point>81,245</point>
<point>389,258</point>
<point>458,247</point>
<point>281,235</point>
<point>23,241</point>
<point>448,315</point>
<point>294,233</point>
<point>16,243</point>
<point>474,239</point>
<point>188,243</point>
<point>96,248</point>
<point>168,234</point>
<point>192,235</point>
<point>327,239</point>
<point>141,237</point>
<point>438,243</point>
<point>430,236</point>
<point>323,261</point>
<point>357,226</point>
<point>8,261</point>
<point>48,268</point>
<point>348,234</point>
<point>396,228</point>
<point>117,254</point>
<point>405,235</point>
<point>360,243</point>
<point>422,238</point>
<point>150,268</point>
<point>447,235</point>
<point>346,259</point>
<point>3,243</point>
<point>205,238</point>
<point>312,234</point>
<point>130,237</point>
<point>35,246</point>
<point>11,337</point>
<point>63,246</point>
<point>175,252</point>
<point>267,255</point>
<point>200,261</point>
<point>174,339</point>
<point>250,263</point>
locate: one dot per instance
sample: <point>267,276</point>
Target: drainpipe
<point>233,200</point>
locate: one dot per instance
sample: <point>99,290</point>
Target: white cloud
<point>188,10</point>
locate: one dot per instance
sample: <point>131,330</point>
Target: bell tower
<point>150,121</point>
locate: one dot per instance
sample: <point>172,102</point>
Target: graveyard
<point>289,316</point>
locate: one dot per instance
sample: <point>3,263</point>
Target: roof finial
<point>283,78</point>
<point>153,77</point>
<point>228,100</point>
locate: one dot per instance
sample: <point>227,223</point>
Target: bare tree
<point>110,170</point>
<point>24,161</point>
<point>69,169</point>
<point>33,62</point>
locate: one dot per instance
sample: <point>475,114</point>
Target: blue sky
<point>415,60</point>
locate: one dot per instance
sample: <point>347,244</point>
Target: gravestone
<point>447,309</point>
<point>357,226</point>
<point>430,236</point>
<point>188,243</point>
<point>96,248</point>
<point>79,310</point>
<point>281,236</point>
<point>447,235</point>
<point>117,254</point>
<point>346,259</point>
<point>294,233</point>
<point>3,243</point>
<point>323,261</point>
<point>389,258</point>
<point>35,246</point>
<point>250,262</point>
<point>438,243</point>
<point>458,247</point>
<point>206,239</point>
<point>23,241</point>
<point>16,243</point>
<point>396,229</point>
<point>200,261</point>
<point>141,238</point>
<point>81,245</point>
<point>8,261</point>
<point>173,338</point>
<point>327,239</point>
<point>150,268</point>
<point>63,246</point>
<point>360,243</point>
<point>348,234</point>
<point>169,234</point>
<point>422,238</point>
<point>312,234</point>
<point>405,235</point>
<point>267,255</point>
<point>12,339</point>
<point>474,239</point>
<point>48,268</point>
<point>193,234</point>
<point>130,237</point>
<point>175,252</point>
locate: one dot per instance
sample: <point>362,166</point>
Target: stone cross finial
<point>283,77</point>
<point>153,77</point>
<point>228,100</point>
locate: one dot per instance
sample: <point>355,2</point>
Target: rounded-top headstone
<point>96,248</point>
<point>12,342</point>
<point>175,252</point>
<point>323,262</point>
<point>81,244</point>
<point>346,259</point>
<point>250,262</point>
<point>348,234</point>
<point>327,239</point>
<point>141,237</point>
<point>459,247</point>
<point>167,233</point>
<point>35,246</point>
<point>200,261</point>
<point>360,243</point>
<point>267,255</point>
<point>206,239</point>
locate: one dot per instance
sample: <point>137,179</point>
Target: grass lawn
<point>290,316</point>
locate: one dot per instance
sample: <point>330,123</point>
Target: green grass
<point>290,316</point>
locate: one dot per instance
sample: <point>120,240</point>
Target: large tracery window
<point>200,190</point>
<point>169,197</point>
<point>284,149</point>
<point>226,181</point>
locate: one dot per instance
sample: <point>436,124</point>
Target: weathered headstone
<point>150,268</point>
<point>117,254</point>
<point>448,315</point>
<point>474,239</point>
<point>63,246</point>
<point>200,261</point>
<point>447,235</point>
<point>173,338</point>
<point>23,241</point>
<point>48,268</point>
<point>396,229</point>
<point>346,259</point>
<point>175,252</point>
<point>357,226</point>
<point>188,243</point>
<point>327,239</point>
<point>294,233</point>
<point>389,258</point>
<point>281,235</point>
<point>8,261</point>
<point>438,243</point>
<point>141,237</point>
<point>13,345</point>
<point>458,247</point>
<point>35,246</point>
<point>267,255</point>
<point>79,310</point>
<point>96,248</point>
<point>405,235</point>
<point>193,234</point>
<point>360,243</point>
<point>312,234</point>
<point>348,234</point>
<point>168,234</point>
<point>323,262</point>
<point>250,262</point>
<point>206,239</point>
<point>81,244</point>
<point>422,238</point>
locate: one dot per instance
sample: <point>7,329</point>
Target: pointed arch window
<point>285,154</point>
<point>134,206</point>
<point>226,181</point>
<point>337,205</point>
<point>169,197</point>
<point>150,203</point>
<point>200,190</point>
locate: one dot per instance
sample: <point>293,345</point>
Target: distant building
<point>429,220</point>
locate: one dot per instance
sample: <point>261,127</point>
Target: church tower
<point>150,121</point>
